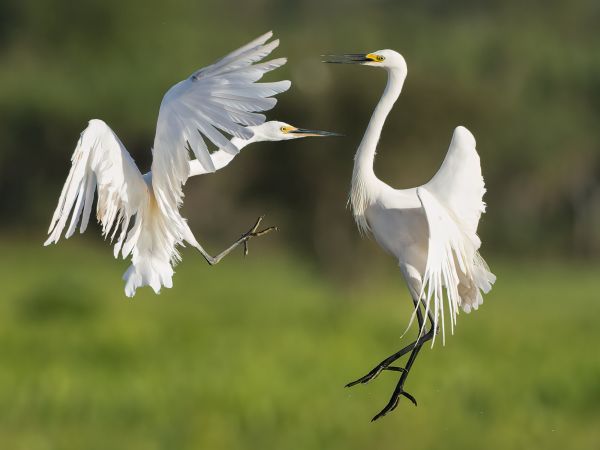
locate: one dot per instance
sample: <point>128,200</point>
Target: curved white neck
<point>363,177</point>
<point>363,161</point>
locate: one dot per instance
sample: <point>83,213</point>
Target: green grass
<point>254,354</point>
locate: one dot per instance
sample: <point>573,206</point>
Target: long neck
<point>363,161</point>
<point>241,143</point>
<point>220,158</point>
<point>363,175</point>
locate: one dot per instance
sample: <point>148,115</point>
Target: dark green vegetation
<point>254,354</point>
<point>523,76</point>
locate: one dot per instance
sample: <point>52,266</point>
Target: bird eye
<point>283,129</point>
<point>379,58</point>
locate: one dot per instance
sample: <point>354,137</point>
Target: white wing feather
<point>100,162</point>
<point>453,204</point>
<point>458,184</point>
<point>221,98</point>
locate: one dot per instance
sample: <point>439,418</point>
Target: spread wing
<point>458,184</point>
<point>100,163</point>
<point>220,99</point>
<point>453,204</point>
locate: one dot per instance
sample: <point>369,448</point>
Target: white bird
<point>224,97</point>
<point>430,230</point>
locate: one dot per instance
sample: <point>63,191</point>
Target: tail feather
<point>152,242</point>
<point>470,288</point>
<point>148,271</point>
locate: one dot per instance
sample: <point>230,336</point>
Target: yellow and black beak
<point>350,58</point>
<point>304,132</point>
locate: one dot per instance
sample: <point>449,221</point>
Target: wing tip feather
<point>463,136</point>
<point>265,37</point>
<point>285,85</point>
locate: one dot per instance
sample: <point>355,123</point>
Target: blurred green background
<point>254,353</point>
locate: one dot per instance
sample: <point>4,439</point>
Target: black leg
<point>385,364</point>
<point>414,349</point>
<point>399,390</point>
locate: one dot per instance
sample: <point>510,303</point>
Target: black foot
<point>393,403</point>
<point>374,374</point>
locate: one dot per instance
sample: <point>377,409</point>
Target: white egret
<point>224,97</point>
<point>431,230</point>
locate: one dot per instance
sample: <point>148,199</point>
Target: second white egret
<point>430,230</point>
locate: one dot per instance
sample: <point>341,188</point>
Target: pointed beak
<point>348,58</point>
<point>304,132</point>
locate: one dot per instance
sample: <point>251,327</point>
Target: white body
<point>142,212</point>
<point>431,230</point>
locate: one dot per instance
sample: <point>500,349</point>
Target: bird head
<point>386,59</point>
<point>281,131</point>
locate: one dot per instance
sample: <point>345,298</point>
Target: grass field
<point>254,354</point>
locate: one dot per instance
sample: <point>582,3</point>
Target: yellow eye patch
<point>375,57</point>
<point>286,129</point>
